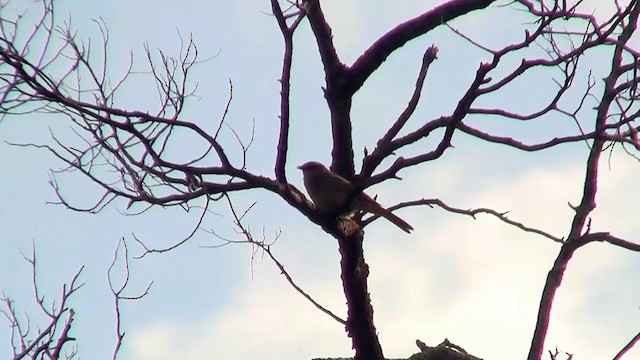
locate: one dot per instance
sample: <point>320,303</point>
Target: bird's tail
<point>366,203</point>
<point>397,221</point>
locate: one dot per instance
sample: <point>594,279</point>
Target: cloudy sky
<point>475,282</point>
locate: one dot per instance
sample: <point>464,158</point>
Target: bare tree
<point>51,341</point>
<point>128,152</point>
<point>54,340</point>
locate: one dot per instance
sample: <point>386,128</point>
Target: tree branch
<point>378,52</point>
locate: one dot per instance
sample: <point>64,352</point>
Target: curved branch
<point>449,123</point>
<point>382,148</point>
<point>613,240</point>
<point>266,248</point>
<point>627,347</point>
<point>502,216</point>
<point>378,52</point>
<point>509,141</point>
<point>51,339</point>
<point>118,292</point>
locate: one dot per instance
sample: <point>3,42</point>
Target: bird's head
<point>311,166</point>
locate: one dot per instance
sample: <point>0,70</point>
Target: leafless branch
<point>580,227</point>
<point>383,148</point>
<point>265,247</point>
<point>285,83</point>
<point>118,291</point>
<point>502,216</point>
<point>50,341</point>
<point>196,227</point>
<point>627,347</point>
<point>556,57</point>
<point>130,153</point>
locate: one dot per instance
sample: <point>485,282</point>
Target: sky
<point>476,282</point>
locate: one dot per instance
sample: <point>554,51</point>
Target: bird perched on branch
<point>330,193</point>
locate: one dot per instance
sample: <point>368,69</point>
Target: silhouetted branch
<point>502,216</point>
<point>394,39</point>
<point>485,83</point>
<point>285,84</point>
<point>118,291</point>
<point>49,341</point>
<point>627,347</point>
<point>580,227</point>
<point>266,248</point>
<point>383,149</point>
<point>130,153</point>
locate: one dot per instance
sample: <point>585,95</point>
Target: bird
<point>330,193</point>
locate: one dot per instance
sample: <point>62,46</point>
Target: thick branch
<point>322,32</point>
<point>378,52</point>
<point>285,88</point>
<point>627,347</point>
<point>354,272</point>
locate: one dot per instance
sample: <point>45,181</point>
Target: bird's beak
<point>299,167</point>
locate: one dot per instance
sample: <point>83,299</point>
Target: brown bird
<point>330,193</point>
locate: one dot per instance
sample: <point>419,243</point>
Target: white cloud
<point>476,282</point>
<point>479,282</point>
<point>264,317</point>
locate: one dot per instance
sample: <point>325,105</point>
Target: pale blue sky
<point>453,277</point>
